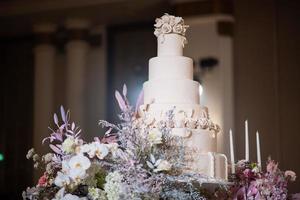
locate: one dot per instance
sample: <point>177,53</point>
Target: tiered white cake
<point>171,85</point>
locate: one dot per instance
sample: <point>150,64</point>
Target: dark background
<point>266,69</point>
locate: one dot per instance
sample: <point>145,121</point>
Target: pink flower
<point>247,173</point>
<point>272,166</point>
<point>252,190</point>
<point>43,181</point>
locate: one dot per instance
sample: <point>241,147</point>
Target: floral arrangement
<point>252,183</point>
<point>136,160</point>
<point>170,24</point>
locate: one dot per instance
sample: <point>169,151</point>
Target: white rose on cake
<point>165,18</point>
<point>172,20</point>
<point>166,28</point>
<point>158,23</point>
<point>178,28</point>
<point>178,20</point>
<point>157,32</point>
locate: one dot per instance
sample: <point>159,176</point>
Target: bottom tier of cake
<point>201,156</point>
<point>212,165</point>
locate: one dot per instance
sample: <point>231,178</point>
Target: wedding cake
<point>171,86</point>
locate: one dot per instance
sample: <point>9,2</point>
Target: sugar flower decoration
<point>170,24</point>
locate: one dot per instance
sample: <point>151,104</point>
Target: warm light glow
<point>200,89</point>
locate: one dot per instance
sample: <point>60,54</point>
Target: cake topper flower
<point>170,24</point>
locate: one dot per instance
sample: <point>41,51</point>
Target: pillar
<point>44,63</point>
<point>77,49</point>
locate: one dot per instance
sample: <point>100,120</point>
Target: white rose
<point>163,166</point>
<point>166,28</point>
<point>178,29</point>
<point>158,23</point>
<point>172,20</point>
<point>165,18</point>
<point>157,32</point>
<point>155,136</point>
<point>178,20</point>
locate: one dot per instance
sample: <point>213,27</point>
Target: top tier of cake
<point>170,45</point>
<point>170,73</point>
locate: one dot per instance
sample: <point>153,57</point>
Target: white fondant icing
<point>170,67</point>
<point>181,91</point>
<point>202,140</point>
<point>210,164</point>
<point>221,168</point>
<point>170,45</point>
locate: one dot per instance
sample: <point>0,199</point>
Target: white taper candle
<point>246,141</point>
<point>231,153</point>
<point>258,150</point>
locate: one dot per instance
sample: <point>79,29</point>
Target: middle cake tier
<point>177,91</point>
<point>170,67</point>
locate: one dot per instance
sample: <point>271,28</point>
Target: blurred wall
<point>267,83</point>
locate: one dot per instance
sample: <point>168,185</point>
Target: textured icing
<point>184,116</point>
